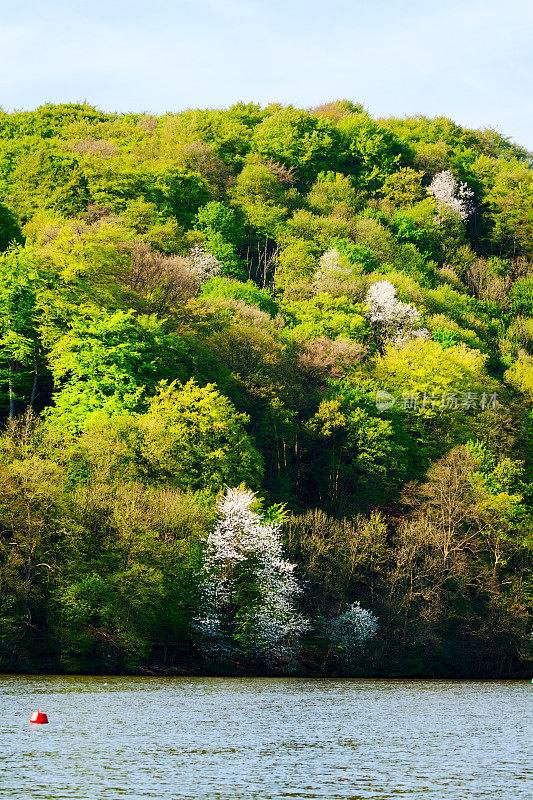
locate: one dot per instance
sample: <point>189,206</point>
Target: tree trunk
<point>11,393</point>
<point>35,382</point>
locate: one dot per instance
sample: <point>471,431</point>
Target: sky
<point>471,61</point>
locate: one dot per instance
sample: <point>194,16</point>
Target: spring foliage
<point>212,298</point>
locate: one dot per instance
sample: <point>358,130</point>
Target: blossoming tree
<point>452,194</point>
<point>203,264</point>
<point>392,320</point>
<point>351,630</point>
<point>247,588</point>
<point>332,266</point>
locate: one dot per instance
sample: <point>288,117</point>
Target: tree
<point>324,315</point>
<point>356,458</point>
<point>248,590</point>
<point>333,266</point>
<point>203,265</point>
<point>261,191</point>
<point>195,439</point>
<point>404,188</point>
<point>452,195</point>
<point>351,630</point>
<point>223,235</point>
<point>369,152</point>
<point>248,293</point>
<point>32,502</point>
<point>108,363</point>
<point>9,229</point>
<point>508,201</point>
<point>297,140</point>
<point>391,320</point>
<point>422,365</point>
<point>21,282</point>
<point>178,192</point>
<point>296,264</point>
<point>334,193</point>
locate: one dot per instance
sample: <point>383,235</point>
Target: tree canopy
<point>288,352</point>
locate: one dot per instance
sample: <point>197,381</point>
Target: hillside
<point>330,311</point>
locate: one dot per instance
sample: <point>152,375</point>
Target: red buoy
<point>39,717</point>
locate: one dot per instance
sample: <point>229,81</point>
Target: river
<point>244,738</point>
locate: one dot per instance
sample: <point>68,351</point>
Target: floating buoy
<point>39,717</point>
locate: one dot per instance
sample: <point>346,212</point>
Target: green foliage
<point>248,292</point>
<point>260,190</point>
<point>10,232</point>
<point>132,394</point>
<point>358,254</point>
<point>218,217</point>
<point>37,175</point>
<point>22,279</point>
<point>423,365</point>
<point>195,439</point>
<point>333,193</point>
<point>358,460</point>
<point>446,337</point>
<point>324,315</point>
<point>521,297</point>
<point>108,363</point>
<point>299,141</point>
<point>179,193</point>
<point>404,188</point>
<point>297,264</point>
<point>223,235</point>
<point>369,152</point>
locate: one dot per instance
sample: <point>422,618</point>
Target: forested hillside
<point>266,387</point>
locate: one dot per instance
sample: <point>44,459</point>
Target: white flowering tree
<point>203,265</point>
<point>451,194</point>
<point>392,320</point>
<point>247,588</point>
<point>332,266</point>
<point>351,631</point>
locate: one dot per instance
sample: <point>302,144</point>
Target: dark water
<point>227,738</point>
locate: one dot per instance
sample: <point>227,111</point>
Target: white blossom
<point>331,266</point>
<point>203,265</point>
<point>392,320</point>
<point>353,629</point>
<point>407,336</point>
<point>242,543</point>
<point>448,192</point>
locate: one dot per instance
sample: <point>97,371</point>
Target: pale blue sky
<point>469,60</point>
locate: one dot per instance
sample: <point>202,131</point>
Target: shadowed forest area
<point>266,387</point>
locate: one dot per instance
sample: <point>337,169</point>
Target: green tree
<point>21,281</point>
<point>195,439</point>
<point>9,229</point>
<point>370,153</point>
<point>32,512</point>
<point>109,363</point>
<point>247,292</point>
<point>297,140</point>
<point>223,235</point>
<point>358,458</point>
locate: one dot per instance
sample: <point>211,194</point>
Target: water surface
<point>237,739</point>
